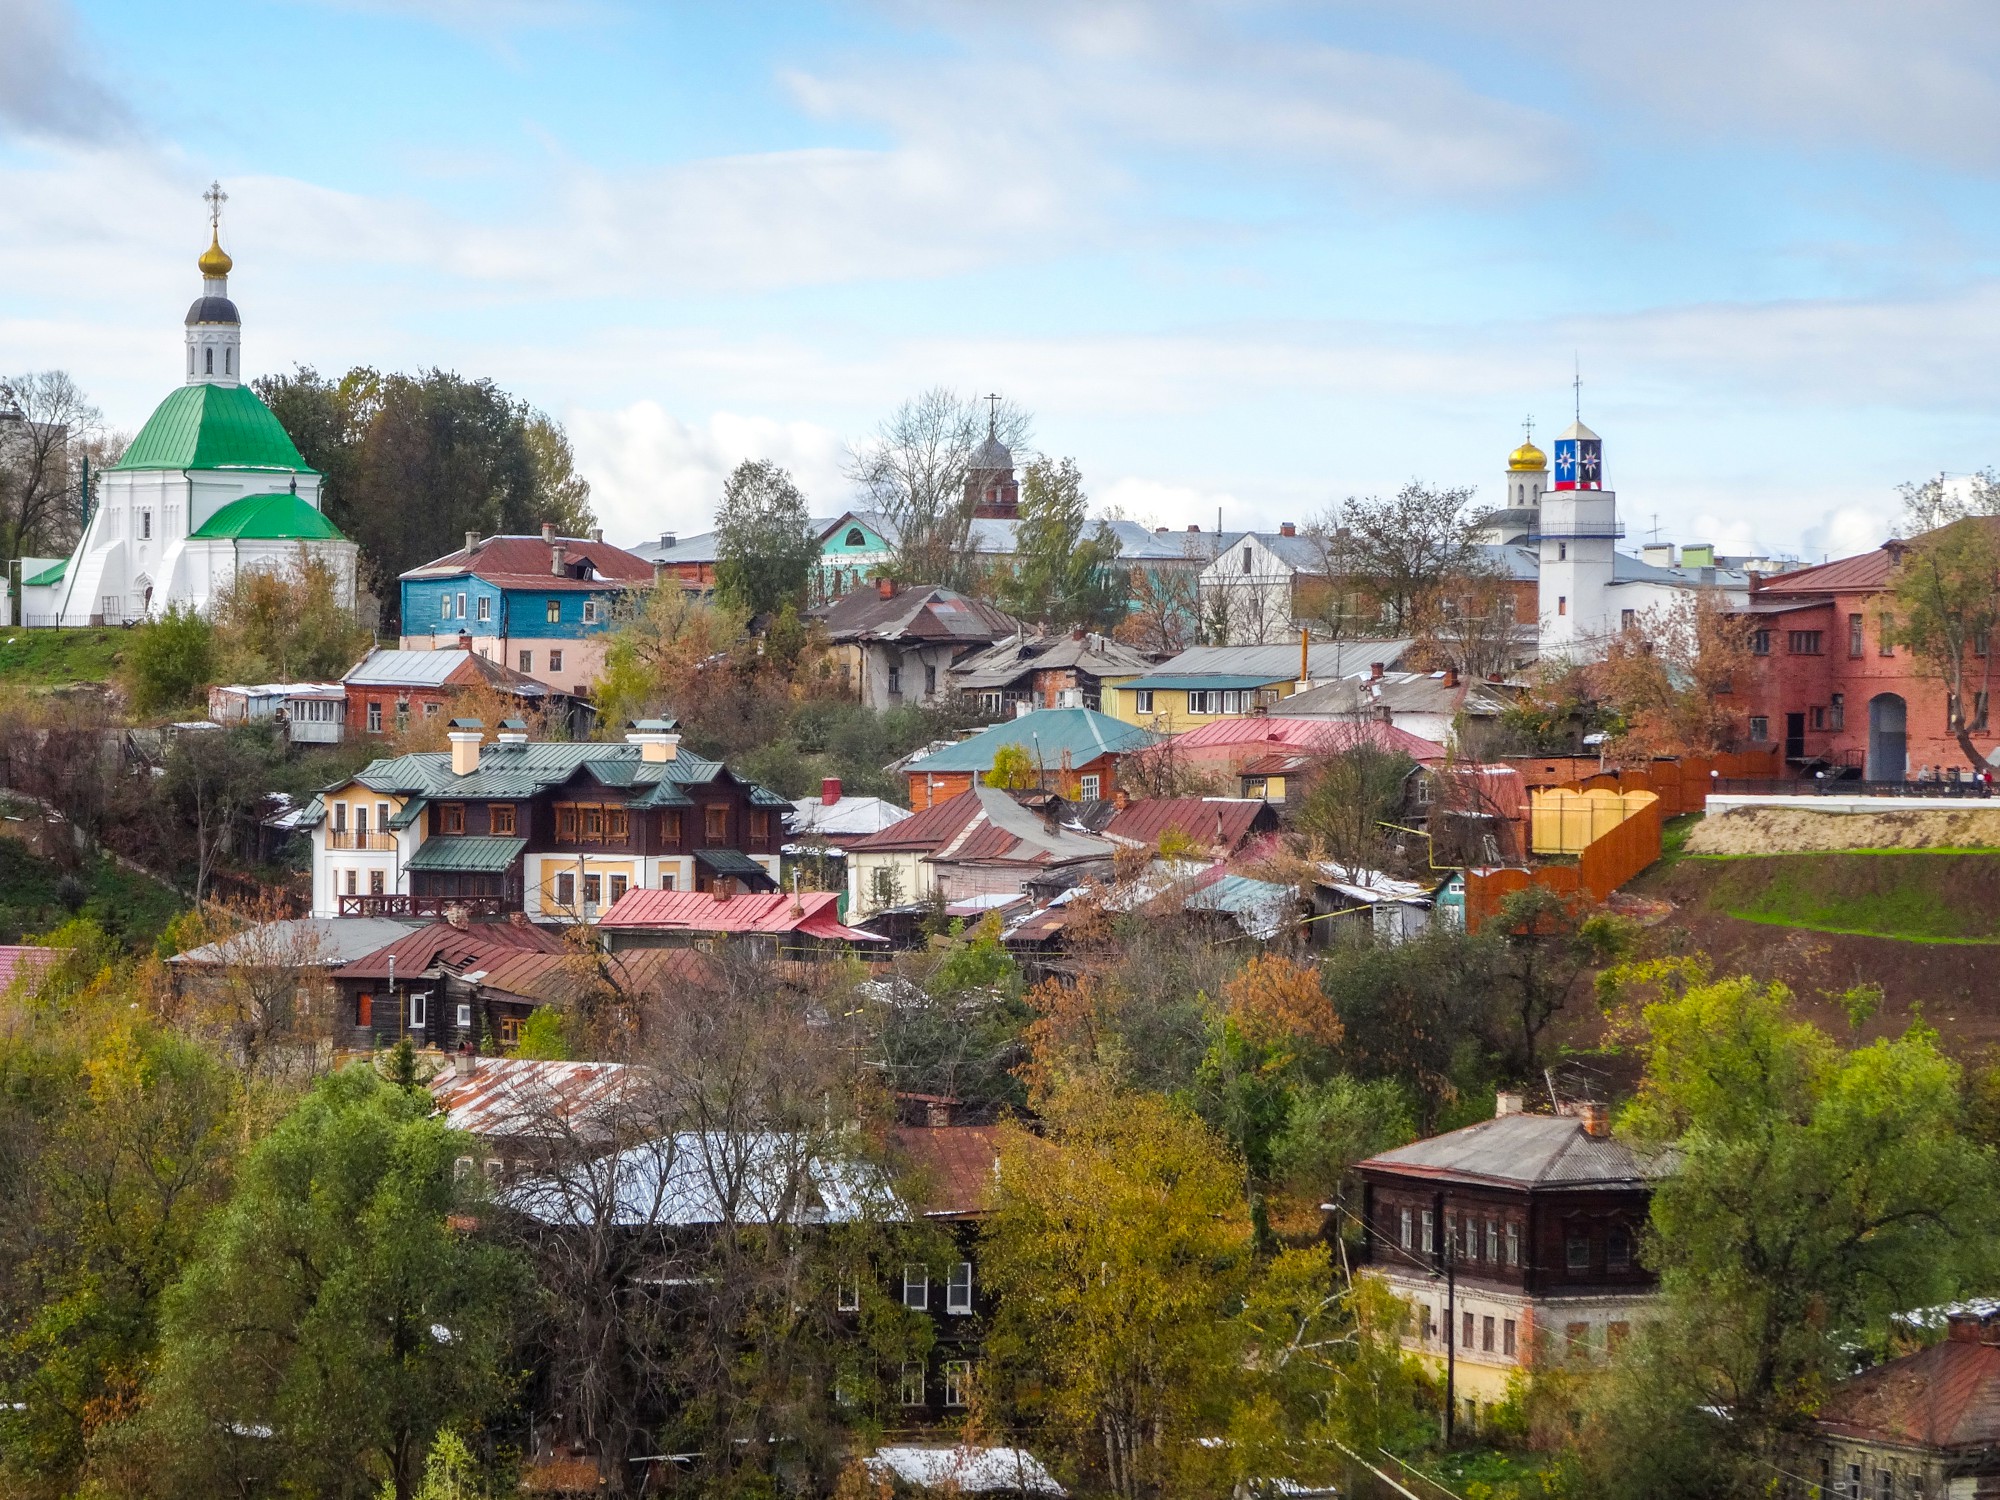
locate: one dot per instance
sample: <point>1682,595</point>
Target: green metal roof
<point>467,852</point>
<point>412,810</point>
<point>732,862</point>
<point>49,577</point>
<point>1046,734</point>
<point>514,772</point>
<point>269,518</point>
<point>213,427</point>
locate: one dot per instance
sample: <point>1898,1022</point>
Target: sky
<point>1237,258</point>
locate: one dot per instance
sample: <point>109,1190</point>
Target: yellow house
<point>1206,683</point>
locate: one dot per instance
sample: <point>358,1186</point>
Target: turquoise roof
<point>268,518</point>
<point>213,427</point>
<point>1047,735</point>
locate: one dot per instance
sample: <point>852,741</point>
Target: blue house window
<point>555,611</point>
<point>485,609</point>
<point>444,606</point>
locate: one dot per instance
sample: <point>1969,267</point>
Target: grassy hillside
<point>35,896</point>
<point>1919,896</point>
<point>53,658</point>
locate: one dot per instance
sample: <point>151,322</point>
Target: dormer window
<point>855,538</point>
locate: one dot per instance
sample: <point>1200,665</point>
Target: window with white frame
<point>464,1015</point>
<point>917,1286</point>
<point>417,998</point>
<point>1087,788</point>
<point>911,1386</point>
<point>847,1292</point>
<point>957,1382</point>
<point>1428,1243</point>
<point>958,1288</point>
<point>1142,700</point>
<point>485,608</point>
<point>461,606</point>
<point>444,606</point>
<point>590,611</point>
<point>1404,1238</point>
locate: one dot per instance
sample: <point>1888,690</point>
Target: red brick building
<point>1831,692</point>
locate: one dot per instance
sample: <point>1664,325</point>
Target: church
<point>212,485</point>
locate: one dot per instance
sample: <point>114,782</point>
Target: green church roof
<point>48,577</point>
<point>213,427</point>
<point>268,518</point>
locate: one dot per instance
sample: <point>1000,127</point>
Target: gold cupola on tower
<point>1527,459</point>
<point>215,261</point>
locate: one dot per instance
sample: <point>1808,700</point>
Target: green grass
<point>1674,836</point>
<point>35,897</point>
<point>55,658</point>
<point>1914,895</point>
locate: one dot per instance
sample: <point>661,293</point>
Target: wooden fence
<point>1620,853</point>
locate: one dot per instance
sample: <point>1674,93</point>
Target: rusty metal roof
<point>478,946</point>
<point>955,1167</point>
<point>1528,1151</point>
<point>513,1096</point>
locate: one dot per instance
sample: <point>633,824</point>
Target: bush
<point>170,661</point>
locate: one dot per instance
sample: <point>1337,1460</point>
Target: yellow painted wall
<point>588,864</point>
<point>1565,821</point>
<point>1170,711</point>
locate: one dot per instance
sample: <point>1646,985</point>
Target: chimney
<point>597,533</point>
<point>465,736</point>
<point>1596,1119</point>
<point>513,732</point>
<point>549,534</point>
<point>464,1065</point>
<point>724,888</point>
<point>1195,528</point>
<point>829,790</point>
<point>937,1113</point>
<point>1507,1103</point>
<point>1451,677</point>
<point>458,915</point>
<point>886,587</point>
<point>471,543</point>
<point>465,640</point>
<point>659,572</point>
<point>557,555</point>
<point>1286,528</point>
<point>1159,531</point>
<point>666,540</point>
<point>1374,671</point>
<point>658,740</point>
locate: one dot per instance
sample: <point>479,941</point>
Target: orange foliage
<point>1071,1020</point>
<point>1274,999</point>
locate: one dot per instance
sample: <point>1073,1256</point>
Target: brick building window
<point>1576,1340</point>
<point>1513,1244</point>
<point>1485,1335</point>
<point>1836,712</point>
<point>1576,1253</point>
<point>374,716</point>
<point>1803,642</point>
<point>1465,1332</point>
<point>1760,642</point>
<point>1856,636</point>
<point>1818,717</point>
<point>1507,1338</point>
<point>1760,728</point>
<point>1885,630</point>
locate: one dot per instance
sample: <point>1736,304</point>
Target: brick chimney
<point>1374,671</point>
<point>1195,527</point>
<point>549,533</point>
<point>597,533</point>
<point>829,790</point>
<point>1596,1118</point>
<point>465,640</point>
<point>471,543</point>
<point>1451,677</point>
<point>886,587</point>
<point>937,1113</point>
<point>1286,528</point>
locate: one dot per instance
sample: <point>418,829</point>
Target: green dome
<point>268,518</point>
<point>213,427</point>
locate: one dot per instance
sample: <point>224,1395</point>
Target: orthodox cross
<point>993,414</point>
<point>1527,430</point>
<point>215,198</point>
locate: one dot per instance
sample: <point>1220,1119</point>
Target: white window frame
<point>464,1015</point>
<point>917,1287</point>
<point>485,607</point>
<point>847,1292</point>
<point>590,611</point>
<point>1089,788</point>
<point>417,998</point>
<point>1142,700</point>
<point>444,606</point>
<point>1407,1233</point>
<point>911,1387</point>
<point>461,606</point>
<point>957,1379</point>
<point>958,1289</point>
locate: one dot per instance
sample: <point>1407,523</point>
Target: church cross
<point>993,414</point>
<point>215,198</point>
<point>1527,430</point>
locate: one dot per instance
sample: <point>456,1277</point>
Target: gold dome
<point>1527,459</point>
<point>215,261</point>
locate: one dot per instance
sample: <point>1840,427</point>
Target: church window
<point>1520,492</point>
<point>145,525</point>
<point>208,361</point>
<point>228,361</point>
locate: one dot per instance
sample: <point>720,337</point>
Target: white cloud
<point>1153,502</point>
<point>1846,530</point>
<point>48,87</point>
<point>650,471</point>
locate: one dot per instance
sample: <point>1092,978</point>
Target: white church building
<point>211,486</point>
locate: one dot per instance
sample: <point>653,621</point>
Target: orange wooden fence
<point>1620,853</point>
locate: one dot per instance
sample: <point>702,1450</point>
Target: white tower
<point>1527,478</point>
<point>214,331</point>
<point>1578,539</point>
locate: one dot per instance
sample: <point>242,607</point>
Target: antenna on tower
<point>1578,385</point>
<point>1655,532</point>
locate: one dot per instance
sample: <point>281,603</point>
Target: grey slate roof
<point>1008,662</point>
<point>328,941</point>
<point>920,612</point>
<point>1527,1151</point>
<point>1281,663</point>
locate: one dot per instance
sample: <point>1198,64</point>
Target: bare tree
<point>263,990</point>
<point>1404,550</point>
<point>47,426</point>
<point>1165,616</point>
<point>914,472</point>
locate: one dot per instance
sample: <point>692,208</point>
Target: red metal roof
<point>1272,732</point>
<point>1866,572</point>
<point>563,979</point>
<point>930,829</point>
<point>479,946</point>
<point>1220,823</point>
<point>16,960</point>
<point>956,1166</point>
<point>1947,1396</point>
<point>523,562</point>
<point>813,913</point>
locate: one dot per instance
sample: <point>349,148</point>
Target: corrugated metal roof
<point>1526,1151</point>
<point>1278,731</point>
<point>931,828</point>
<point>522,770</point>
<point>733,862</point>
<point>524,562</point>
<point>389,667</point>
<point>514,1096</point>
<point>478,946</point>
<point>1332,659</point>
<point>1261,908</point>
<point>849,817</point>
<point>332,941</point>
<point>1175,682</point>
<point>813,913</point>
<point>923,612</point>
<point>1047,735</point>
<point>1222,823</point>
<point>213,427</point>
<point>1946,1396</point>
<point>467,852</point>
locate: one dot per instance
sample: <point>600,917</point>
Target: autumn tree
<point>1064,572</point>
<point>1944,599</point>
<point>287,623</point>
<point>1164,617</point>
<point>1014,769</point>
<point>1669,677</point>
<point>171,661</point>
<point>1404,551</point>
<point>914,472</point>
<point>1353,790</point>
<point>48,427</point>
<point>765,548</point>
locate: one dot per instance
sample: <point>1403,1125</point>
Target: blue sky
<point>1254,256</point>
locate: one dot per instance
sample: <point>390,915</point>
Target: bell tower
<point>214,330</point>
<point>1527,478</point>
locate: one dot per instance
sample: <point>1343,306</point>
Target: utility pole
<point>1445,1247</point>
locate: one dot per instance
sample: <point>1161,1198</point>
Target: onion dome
<point>215,261</point>
<point>1527,459</point>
